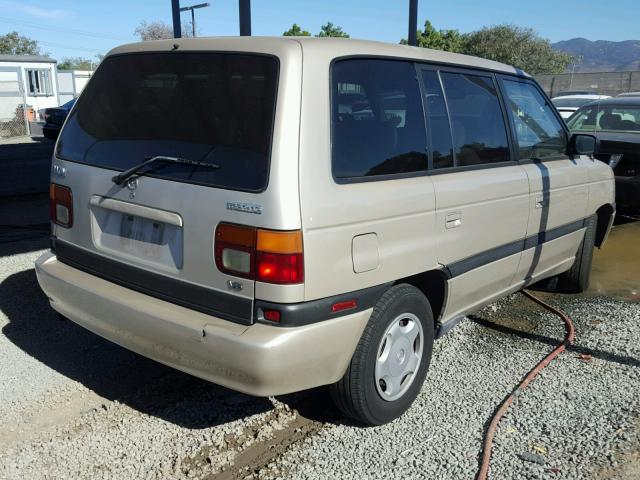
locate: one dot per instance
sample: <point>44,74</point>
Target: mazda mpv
<point>277,214</point>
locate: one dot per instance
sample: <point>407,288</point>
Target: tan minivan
<point>276,214</point>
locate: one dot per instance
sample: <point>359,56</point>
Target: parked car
<point>567,105</point>
<point>564,93</point>
<point>276,214</point>
<point>616,123</point>
<point>629,94</point>
<point>54,119</point>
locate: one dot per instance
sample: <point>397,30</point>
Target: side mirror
<point>581,144</point>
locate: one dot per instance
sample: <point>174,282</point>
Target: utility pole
<point>413,23</point>
<point>175,13</point>
<point>193,16</point>
<point>244,9</point>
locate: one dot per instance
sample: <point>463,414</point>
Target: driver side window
<point>539,133</point>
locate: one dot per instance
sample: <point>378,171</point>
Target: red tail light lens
<point>61,205</point>
<point>280,268</point>
<point>264,255</point>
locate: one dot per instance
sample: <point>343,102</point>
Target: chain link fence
<point>602,83</point>
<point>13,108</point>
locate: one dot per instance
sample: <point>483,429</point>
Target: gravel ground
<point>76,406</point>
<point>576,416</point>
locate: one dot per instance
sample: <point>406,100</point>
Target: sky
<point>84,28</point>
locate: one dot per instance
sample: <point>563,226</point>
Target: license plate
<point>141,236</point>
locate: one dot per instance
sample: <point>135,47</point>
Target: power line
<point>61,29</point>
<point>68,47</point>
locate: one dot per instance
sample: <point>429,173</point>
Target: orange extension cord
<point>533,373</point>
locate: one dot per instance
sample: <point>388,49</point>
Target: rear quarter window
<point>377,120</point>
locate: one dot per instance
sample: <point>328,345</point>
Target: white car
<point>568,104</point>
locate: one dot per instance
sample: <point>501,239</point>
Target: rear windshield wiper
<point>123,176</point>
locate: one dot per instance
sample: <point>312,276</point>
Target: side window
<point>377,121</point>
<point>539,132</point>
<point>583,120</point>
<point>479,132</point>
<point>439,130</point>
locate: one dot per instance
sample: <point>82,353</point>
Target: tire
<point>576,279</point>
<point>360,394</point>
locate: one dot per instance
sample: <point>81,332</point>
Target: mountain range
<point>602,55</point>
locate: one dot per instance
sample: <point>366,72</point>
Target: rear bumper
<point>259,359</point>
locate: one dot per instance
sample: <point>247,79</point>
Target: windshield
<point>606,118</point>
<point>206,107</point>
<point>571,102</point>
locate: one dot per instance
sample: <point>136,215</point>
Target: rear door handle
<point>453,220</point>
<point>540,202</point>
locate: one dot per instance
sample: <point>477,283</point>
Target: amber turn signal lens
<point>271,241</point>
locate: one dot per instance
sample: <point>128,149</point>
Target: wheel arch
<point>602,223</point>
<point>433,284</point>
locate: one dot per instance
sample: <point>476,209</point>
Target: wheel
<point>391,360</point>
<point>576,279</point>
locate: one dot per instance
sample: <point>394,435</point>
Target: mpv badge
<point>245,207</point>
<point>132,184</point>
<point>59,171</point>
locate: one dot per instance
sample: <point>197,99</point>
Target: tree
<point>159,31</point>
<point>518,46</point>
<point>447,40</point>
<point>331,30</point>
<point>153,31</point>
<point>296,31</point>
<point>15,44</point>
<point>77,63</point>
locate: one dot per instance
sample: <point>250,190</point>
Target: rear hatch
<point>155,232</point>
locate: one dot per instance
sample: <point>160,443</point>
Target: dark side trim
<point>443,328</point>
<point>304,313</point>
<point>201,299</point>
<point>245,311</point>
<point>483,258</point>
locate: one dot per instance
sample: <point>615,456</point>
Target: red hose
<point>533,373</point>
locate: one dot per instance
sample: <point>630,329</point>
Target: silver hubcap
<point>399,356</point>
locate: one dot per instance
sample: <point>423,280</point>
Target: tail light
<point>264,255</point>
<point>61,205</point>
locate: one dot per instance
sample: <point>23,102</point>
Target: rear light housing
<point>268,256</point>
<point>61,205</point>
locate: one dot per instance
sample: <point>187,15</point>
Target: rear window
<point>208,107</point>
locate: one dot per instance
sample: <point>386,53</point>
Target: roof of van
<point>340,46</point>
